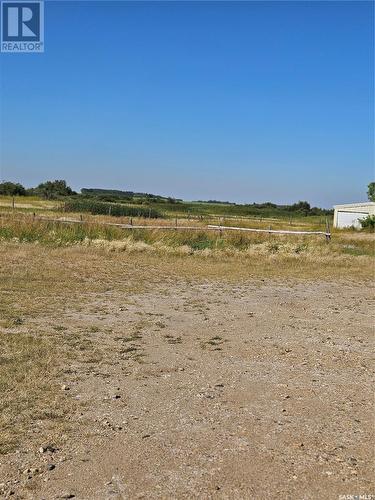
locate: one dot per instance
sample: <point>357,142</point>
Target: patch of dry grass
<point>29,400</point>
<point>36,285</point>
<point>27,202</point>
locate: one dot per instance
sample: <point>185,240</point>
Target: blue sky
<point>241,101</point>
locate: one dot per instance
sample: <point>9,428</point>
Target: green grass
<point>358,250</point>
<point>114,209</point>
<point>196,209</point>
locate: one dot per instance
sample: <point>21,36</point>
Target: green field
<point>167,208</point>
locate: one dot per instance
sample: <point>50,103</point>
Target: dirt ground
<point>208,389</point>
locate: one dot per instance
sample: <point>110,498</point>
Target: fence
<point>175,227</point>
<point>327,233</point>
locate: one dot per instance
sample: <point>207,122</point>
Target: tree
<point>302,207</point>
<point>53,189</point>
<point>371,191</point>
<point>12,189</point>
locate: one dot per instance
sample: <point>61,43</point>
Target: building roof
<point>353,205</point>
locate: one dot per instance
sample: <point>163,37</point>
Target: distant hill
<point>115,192</point>
<point>125,195</point>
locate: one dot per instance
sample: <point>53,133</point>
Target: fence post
<point>328,231</point>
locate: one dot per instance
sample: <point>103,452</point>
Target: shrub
<point>101,208</point>
<point>52,189</point>
<point>368,222</point>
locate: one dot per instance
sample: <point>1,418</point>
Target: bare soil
<point>208,389</point>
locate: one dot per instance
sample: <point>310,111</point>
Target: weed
<point>129,349</point>
<point>173,340</point>
<point>132,338</point>
<point>273,247</point>
<point>214,342</point>
<point>301,248</point>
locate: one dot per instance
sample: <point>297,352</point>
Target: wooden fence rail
<point>122,225</point>
<point>278,231</point>
<point>210,227</point>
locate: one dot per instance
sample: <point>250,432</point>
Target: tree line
<point>48,190</point>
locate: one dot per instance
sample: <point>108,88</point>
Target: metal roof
<point>353,205</point>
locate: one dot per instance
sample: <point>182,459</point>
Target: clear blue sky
<point>242,101</point>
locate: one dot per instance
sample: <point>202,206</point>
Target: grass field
<point>93,307</point>
<point>188,210</point>
<point>53,228</point>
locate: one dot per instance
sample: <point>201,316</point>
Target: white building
<point>350,214</point>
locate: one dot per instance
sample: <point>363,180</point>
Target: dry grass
<point>29,202</point>
<point>65,266</point>
<point>29,402</point>
<point>25,228</point>
<point>54,208</point>
<point>34,348</point>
